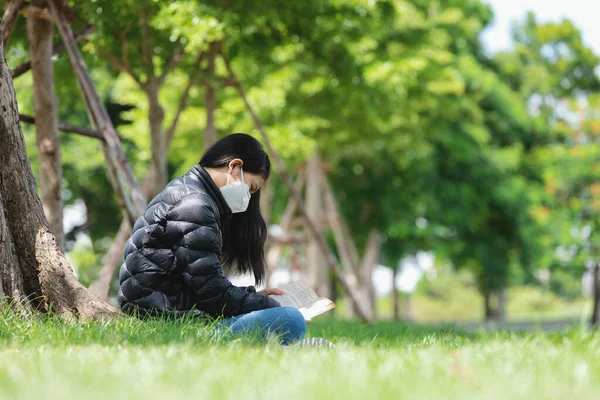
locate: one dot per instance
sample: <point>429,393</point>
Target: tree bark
<point>101,286</point>
<point>395,300</point>
<point>156,117</point>
<point>67,128</point>
<point>494,305</point>
<point>344,243</point>
<point>408,309</point>
<point>370,257</point>
<point>11,279</point>
<point>45,105</point>
<point>345,246</point>
<point>274,253</point>
<point>596,308</point>
<point>210,99</point>
<point>265,211</point>
<point>59,47</point>
<point>348,253</point>
<point>28,249</point>
<point>265,204</point>
<point>316,267</point>
<point>9,19</point>
<point>488,307</point>
<point>501,305</point>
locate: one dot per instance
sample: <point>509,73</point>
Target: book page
<point>317,308</point>
<point>297,295</point>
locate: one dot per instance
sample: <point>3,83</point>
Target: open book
<point>299,295</point>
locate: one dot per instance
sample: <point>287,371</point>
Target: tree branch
<point>289,238</point>
<point>119,65</point>
<point>9,19</point>
<point>125,49</point>
<point>173,61</point>
<point>36,12</point>
<point>122,34</point>
<point>183,100</point>
<point>220,82</point>
<point>68,128</point>
<point>58,48</point>
<point>210,98</point>
<point>147,46</point>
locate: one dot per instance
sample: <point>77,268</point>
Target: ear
<point>236,162</point>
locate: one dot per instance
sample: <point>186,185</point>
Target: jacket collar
<point>212,190</point>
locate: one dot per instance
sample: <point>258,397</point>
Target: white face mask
<point>237,194</point>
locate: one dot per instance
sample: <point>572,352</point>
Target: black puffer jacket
<point>172,260</point>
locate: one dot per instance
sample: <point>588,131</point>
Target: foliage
<point>555,71</point>
<point>490,161</point>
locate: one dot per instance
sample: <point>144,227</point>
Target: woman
<point>202,223</point>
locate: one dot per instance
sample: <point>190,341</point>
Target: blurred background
<point>447,150</point>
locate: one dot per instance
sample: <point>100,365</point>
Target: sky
<point>582,13</point>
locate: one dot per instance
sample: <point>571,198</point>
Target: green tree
<point>554,71</point>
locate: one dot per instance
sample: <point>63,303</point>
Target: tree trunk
<point>265,210</point>
<point>343,241</point>
<point>494,305</point>
<point>408,311</point>
<point>596,308</point>
<point>101,286</point>
<point>45,104</point>
<point>501,305</point>
<point>57,49</point>
<point>370,257</point>
<point>316,267</point>
<point>30,256</point>
<point>11,279</point>
<point>210,98</point>
<point>490,313</point>
<point>9,19</point>
<point>156,117</point>
<point>273,255</point>
<point>265,204</point>
<point>395,300</point>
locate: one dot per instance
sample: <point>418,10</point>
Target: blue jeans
<point>285,322</point>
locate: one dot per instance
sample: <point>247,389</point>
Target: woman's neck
<point>216,175</point>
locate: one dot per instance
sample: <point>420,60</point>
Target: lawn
<point>49,358</point>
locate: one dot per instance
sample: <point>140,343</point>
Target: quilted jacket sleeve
<point>192,226</point>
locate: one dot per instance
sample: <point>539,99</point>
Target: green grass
<point>127,358</point>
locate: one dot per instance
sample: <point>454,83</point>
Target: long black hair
<point>245,235</point>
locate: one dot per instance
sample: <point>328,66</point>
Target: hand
<point>307,321</point>
<point>268,292</point>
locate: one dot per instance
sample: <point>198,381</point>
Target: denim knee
<point>295,324</point>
